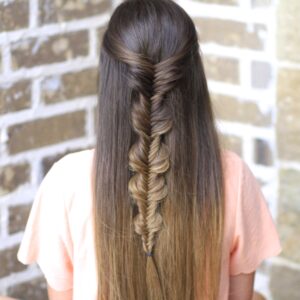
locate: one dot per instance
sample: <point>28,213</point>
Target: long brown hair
<point>158,190</point>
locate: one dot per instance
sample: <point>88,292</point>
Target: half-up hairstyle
<point>158,189</point>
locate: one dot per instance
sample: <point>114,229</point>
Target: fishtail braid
<point>149,156</point>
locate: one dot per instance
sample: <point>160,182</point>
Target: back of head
<point>158,176</point>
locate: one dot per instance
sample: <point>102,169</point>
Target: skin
<point>56,295</point>
<point>241,287</point>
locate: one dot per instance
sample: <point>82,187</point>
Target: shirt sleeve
<point>47,239</point>
<point>255,237</point>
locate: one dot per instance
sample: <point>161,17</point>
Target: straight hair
<point>158,183</point>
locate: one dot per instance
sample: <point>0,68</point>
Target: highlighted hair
<point>158,189</point>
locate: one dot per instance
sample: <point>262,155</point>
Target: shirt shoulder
<point>78,160</point>
<point>231,160</point>
<point>253,236</point>
<point>232,165</point>
<point>73,175</point>
<point>75,165</point>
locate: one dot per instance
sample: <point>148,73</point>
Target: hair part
<point>158,189</point>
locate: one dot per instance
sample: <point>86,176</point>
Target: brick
<point>60,11</point>
<point>288,121</point>
<point>35,289</point>
<point>18,216</point>
<point>262,152</point>
<point>100,34</point>
<point>223,2</point>
<point>288,28</point>
<point>260,74</point>
<point>230,109</point>
<point>284,283</point>
<point>69,86</point>
<point>289,213</point>
<point>95,118</point>
<point>9,262</point>
<point>13,176</point>
<point>43,132</point>
<point>232,143</point>
<point>230,33</point>
<point>15,96</point>
<point>52,49</point>
<point>221,69</point>
<point>13,15</point>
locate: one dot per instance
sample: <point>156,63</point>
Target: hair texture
<point>158,189</point>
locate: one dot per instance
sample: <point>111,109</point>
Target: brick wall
<point>285,275</point>
<point>48,68</point>
<point>237,38</point>
<point>251,55</point>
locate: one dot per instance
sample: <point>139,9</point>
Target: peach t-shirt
<point>59,232</point>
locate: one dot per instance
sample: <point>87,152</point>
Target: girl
<point>157,210</point>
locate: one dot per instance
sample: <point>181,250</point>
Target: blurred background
<point>48,66</point>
